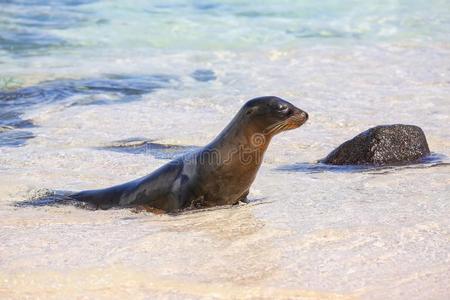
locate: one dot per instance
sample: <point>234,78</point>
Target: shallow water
<point>94,93</point>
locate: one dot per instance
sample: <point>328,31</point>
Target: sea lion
<point>218,174</point>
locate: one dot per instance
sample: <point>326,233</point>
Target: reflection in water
<point>432,160</point>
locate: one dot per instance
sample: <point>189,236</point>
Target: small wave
<point>432,160</point>
<point>148,147</point>
<point>108,90</point>
<point>204,75</point>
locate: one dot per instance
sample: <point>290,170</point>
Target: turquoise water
<point>91,41</point>
<point>96,93</point>
<point>48,27</point>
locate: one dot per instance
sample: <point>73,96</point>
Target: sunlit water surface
<point>95,93</point>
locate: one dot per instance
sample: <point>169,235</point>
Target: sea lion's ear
<point>250,110</point>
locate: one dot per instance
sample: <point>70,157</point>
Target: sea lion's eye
<point>279,106</point>
<point>282,107</point>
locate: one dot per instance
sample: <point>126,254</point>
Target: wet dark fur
<point>218,174</point>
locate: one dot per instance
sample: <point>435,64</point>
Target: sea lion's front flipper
<point>243,198</point>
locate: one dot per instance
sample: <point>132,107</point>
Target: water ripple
<point>433,160</point>
<point>148,147</point>
<point>108,90</point>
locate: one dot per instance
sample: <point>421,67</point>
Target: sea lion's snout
<point>298,118</point>
<point>302,115</point>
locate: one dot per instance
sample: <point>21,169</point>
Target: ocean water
<point>95,93</point>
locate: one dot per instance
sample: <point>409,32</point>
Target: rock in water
<point>382,145</point>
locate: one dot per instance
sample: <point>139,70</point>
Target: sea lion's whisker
<point>284,125</point>
<point>281,128</point>
<point>275,129</point>
<point>275,124</point>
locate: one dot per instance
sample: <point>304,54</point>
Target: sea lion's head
<point>271,115</point>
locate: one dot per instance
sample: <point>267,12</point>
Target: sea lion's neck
<point>240,139</point>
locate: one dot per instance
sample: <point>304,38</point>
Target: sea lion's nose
<point>304,115</point>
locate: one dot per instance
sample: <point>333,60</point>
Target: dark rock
<point>382,145</point>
